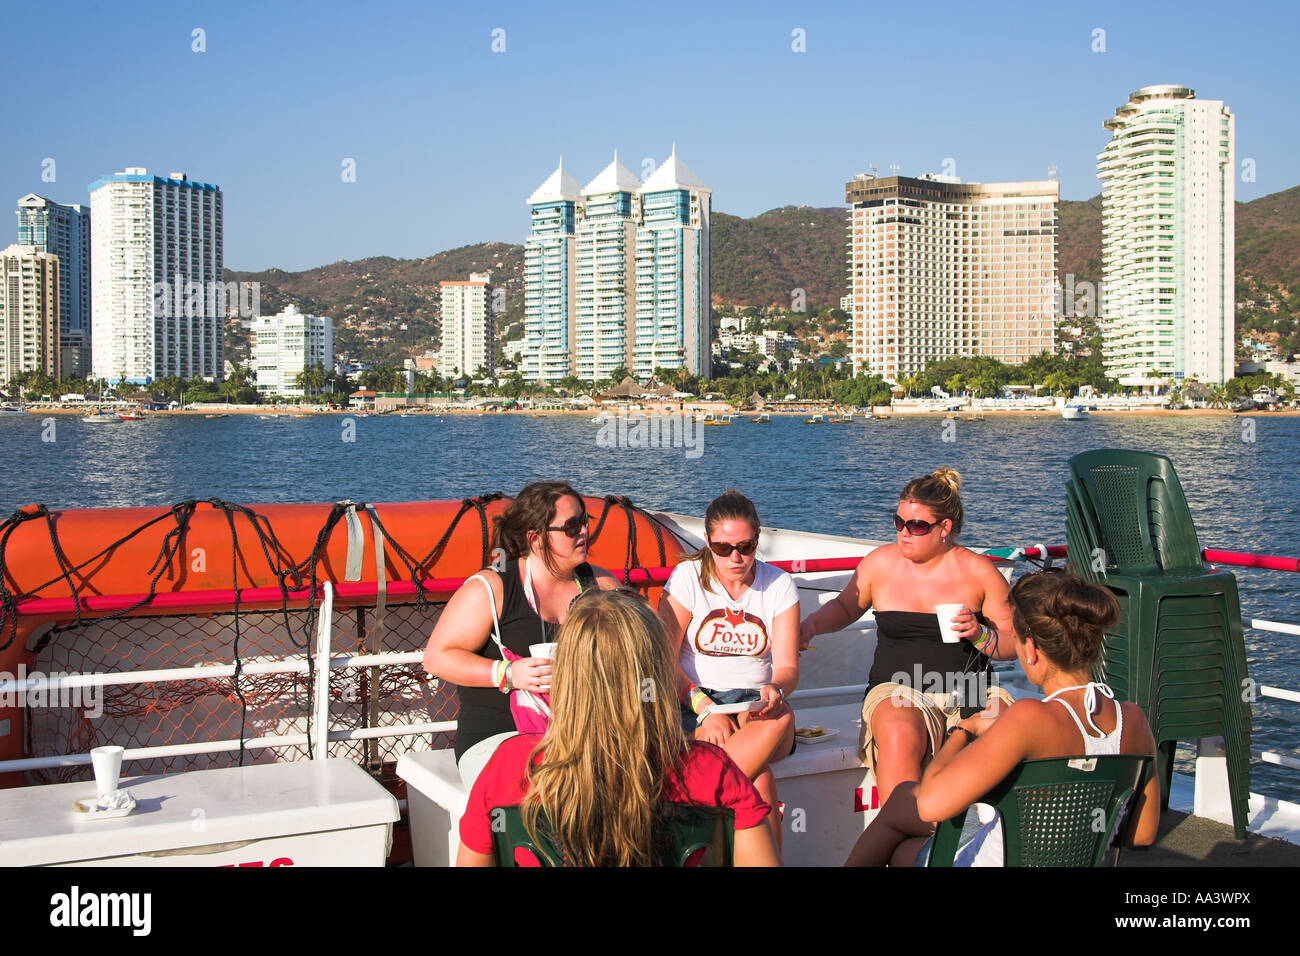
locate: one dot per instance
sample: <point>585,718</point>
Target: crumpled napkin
<point>115,800</point>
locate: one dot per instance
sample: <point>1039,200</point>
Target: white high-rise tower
<point>1168,239</point>
<point>550,270</point>
<point>607,223</point>
<point>157,297</point>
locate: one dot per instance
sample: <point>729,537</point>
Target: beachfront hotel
<point>157,298</point>
<point>939,268</point>
<point>616,274</point>
<point>673,256</point>
<point>29,312</point>
<point>64,231</point>
<point>550,279</point>
<point>1168,239</point>
<point>289,343</point>
<point>468,330</point>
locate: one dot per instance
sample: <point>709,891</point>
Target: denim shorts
<point>738,696</point>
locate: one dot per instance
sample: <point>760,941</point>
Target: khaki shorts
<point>938,711</point>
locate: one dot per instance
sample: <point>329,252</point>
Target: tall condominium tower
<point>288,344</point>
<point>606,306</point>
<point>157,299</point>
<point>1168,238</point>
<point>468,329</point>
<point>673,258</point>
<point>550,280</point>
<point>29,312</point>
<point>939,268</point>
<point>65,232</point>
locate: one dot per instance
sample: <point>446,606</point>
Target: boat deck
<point>1186,840</point>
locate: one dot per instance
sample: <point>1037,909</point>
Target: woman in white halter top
<point>1059,622</point>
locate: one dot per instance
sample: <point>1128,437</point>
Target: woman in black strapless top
<point>923,682</point>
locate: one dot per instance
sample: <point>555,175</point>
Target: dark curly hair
<point>1065,616</point>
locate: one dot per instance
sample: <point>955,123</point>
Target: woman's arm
<point>843,609</point>
<point>964,769</point>
<point>467,857</point>
<point>1144,817</point>
<point>455,647</point>
<point>997,609</point>
<point>756,847</point>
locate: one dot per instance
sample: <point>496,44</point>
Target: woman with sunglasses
<point>611,753</point>
<point>733,622</point>
<point>483,637</point>
<point>925,684</point>
<point>1059,622</point>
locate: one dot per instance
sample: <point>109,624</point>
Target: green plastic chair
<point>1179,648</point>
<point>684,834</point>
<point>1062,811</point>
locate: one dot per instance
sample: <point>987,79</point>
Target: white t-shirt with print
<point>728,643</point>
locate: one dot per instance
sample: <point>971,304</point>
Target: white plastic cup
<point>546,650</point>
<point>108,769</point>
<point>945,613</point>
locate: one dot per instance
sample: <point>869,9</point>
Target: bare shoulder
<point>880,559</point>
<point>1137,732</point>
<point>981,568</point>
<point>605,579</point>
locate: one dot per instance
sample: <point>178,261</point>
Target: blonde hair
<point>615,733</point>
<point>938,492</point>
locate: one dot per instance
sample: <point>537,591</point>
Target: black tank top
<point>485,711</point>
<point>910,649</point>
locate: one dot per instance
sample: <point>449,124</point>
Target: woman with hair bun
<point>483,637</point>
<point>1059,625</point>
<point>925,683</point>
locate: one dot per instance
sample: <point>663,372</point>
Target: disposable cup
<point>945,613</point>
<point>546,650</point>
<point>108,768</point>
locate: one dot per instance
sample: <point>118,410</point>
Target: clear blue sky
<point>449,138</point>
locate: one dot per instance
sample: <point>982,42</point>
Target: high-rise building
<point>606,306</point>
<point>157,296</point>
<point>939,268</point>
<point>617,274</point>
<point>1168,239</point>
<point>673,258</point>
<point>29,312</point>
<point>550,280</point>
<point>469,338</point>
<point>287,344</point>
<point>64,231</point>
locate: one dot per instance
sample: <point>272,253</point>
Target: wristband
<point>987,636</point>
<point>700,699</point>
<point>702,717</point>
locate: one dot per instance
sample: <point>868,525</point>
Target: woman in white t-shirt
<point>734,624</point>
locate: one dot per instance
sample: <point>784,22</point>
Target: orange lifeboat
<point>59,568</point>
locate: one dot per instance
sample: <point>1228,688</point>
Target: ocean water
<point>1239,473</point>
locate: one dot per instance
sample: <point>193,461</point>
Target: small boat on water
<point>7,411</point>
<point>100,418</point>
<point>1074,413</point>
<point>131,415</point>
<point>763,419</point>
<point>815,420</point>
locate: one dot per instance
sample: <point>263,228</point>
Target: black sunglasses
<point>573,527</point>
<point>915,526</point>
<point>723,550</point>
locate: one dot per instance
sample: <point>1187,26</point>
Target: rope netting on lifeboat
<point>69,605</point>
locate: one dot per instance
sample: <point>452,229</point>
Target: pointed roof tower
<point>559,187</point>
<point>673,174</point>
<point>614,178</point>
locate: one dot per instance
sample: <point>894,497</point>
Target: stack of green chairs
<point>1049,810</point>
<point>684,834</point>
<point>1179,650</point>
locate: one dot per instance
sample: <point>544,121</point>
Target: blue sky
<point>450,137</point>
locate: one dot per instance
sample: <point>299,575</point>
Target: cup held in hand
<point>945,613</point>
<point>546,650</point>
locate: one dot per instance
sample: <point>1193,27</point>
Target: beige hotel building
<point>939,268</point>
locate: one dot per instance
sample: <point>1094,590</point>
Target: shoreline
<point>662,409</point>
